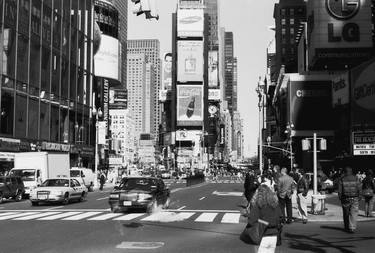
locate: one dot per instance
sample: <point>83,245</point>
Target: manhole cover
<point>140,245</point>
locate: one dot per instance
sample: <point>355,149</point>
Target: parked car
<point>58,190</point>
<point>139,193</point>
<point>11,187</point>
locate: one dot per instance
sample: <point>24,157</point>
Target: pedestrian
<point>349,193</point>
<point>276,175</point>
<point>102,181</point>
<point>265,206</point>
<point>368,190</point>
<point>250,186</point>
<point>302,190</point>
<point>284,192</point>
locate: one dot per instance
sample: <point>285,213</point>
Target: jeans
<point>369,205</point>
<point>286,203</point>
<point>350,212</point>
<point>302,205</point>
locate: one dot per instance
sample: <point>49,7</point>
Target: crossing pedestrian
<point>349,193</point>
<point>302,190</point>
<point>250,186</point>
<point>284,193</point>
<point>368,190</point>
<point>102,181</point>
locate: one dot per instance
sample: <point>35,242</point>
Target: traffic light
<point>147,7</point>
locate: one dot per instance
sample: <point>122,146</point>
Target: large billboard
<point>189,105</point>
<point>190,22</point>
<point>363,95</point>
<point>107,59</point>
<point>213,73</point>
<point>340,89</point>
<point>118,98</point>
<point>167,72</point>
<point>338,31</point>
<point>190,61</point>
<point>310,105</point>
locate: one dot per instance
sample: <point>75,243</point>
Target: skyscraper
<point>151,49</point>
<point>229,69</point>
<point>211,8</point>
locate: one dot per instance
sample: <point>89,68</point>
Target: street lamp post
<point>259,90</point>
<point>97,113</point>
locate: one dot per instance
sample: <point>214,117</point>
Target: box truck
<point>35,167</point>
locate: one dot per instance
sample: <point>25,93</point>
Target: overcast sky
<point>249,21</point>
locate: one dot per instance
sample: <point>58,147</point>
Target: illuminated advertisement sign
<point>340,90</point>
<point>339,29</point>
<point>189,105</point>
<point>190,61</point>
<point>118,98</point>
<point>310,105</point>
<point>107,58</point>
<point>363,95</point>
<point>214,94</point>
<point>167,72</point>
<point>213,69</point>
<point>190,23</point>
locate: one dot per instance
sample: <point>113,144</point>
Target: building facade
<point>212,11</point>
<point>46,78</point>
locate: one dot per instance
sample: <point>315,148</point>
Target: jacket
<point>285,186</point>
<point>250,186</point>
<point>349,187</point>
<point>368,183</point>
<point>302,185</point>
<point>266,213</point>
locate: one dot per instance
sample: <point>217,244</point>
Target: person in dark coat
<point>368,190</point>
<point>102,181</point>
<point>250,185</point>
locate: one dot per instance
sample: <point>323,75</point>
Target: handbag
<point>253,234</point>
<point>368,192</point>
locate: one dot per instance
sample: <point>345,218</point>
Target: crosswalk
<point>224,181</point>
<point>201,216</point>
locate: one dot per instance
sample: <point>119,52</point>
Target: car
<point>61,190</point>
<point>84,176</point>
<point>11,187</point>
<point>139,193</point>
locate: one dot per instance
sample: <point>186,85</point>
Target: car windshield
<point>26,175</point>
<point>75,173</point>
<point>55,183</point>
<point>143,184</point>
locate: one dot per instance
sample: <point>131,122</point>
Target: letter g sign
<point>343,9</point>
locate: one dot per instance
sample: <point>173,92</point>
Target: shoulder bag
<point>253,234</point>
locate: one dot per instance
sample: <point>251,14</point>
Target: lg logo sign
<point>343,10</point>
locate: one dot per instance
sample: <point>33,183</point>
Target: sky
<point>249,21</point>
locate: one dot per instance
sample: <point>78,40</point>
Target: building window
<point>9,51</point>
<point>33,118</point>
<point>291,12</point>
<point>283,21</point>
<point>54,124</point>
<point>44,121</point>
<point>21,116</point>
<point>291,30</point>
<point>292,21</point>
<point>283,31</point>
<point>283,12</point>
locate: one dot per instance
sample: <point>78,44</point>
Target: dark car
<point>139,193</point>
<point>11,187</point>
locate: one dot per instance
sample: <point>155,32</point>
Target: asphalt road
<point>206,218</point>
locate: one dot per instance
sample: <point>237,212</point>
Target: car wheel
<point>18,196</point>
<point>167,203</point>
<point>66,199</point>
<point>34,203</point>
<point>83,196</point>
<point>1,197</point>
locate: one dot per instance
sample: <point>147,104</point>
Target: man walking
<point>349,194</point>
<point>302,189</point>
<point>284,193</point>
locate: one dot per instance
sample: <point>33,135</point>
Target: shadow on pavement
<point>314,243</point>
<point>333,228</point>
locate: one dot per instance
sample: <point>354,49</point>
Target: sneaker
<point>351,231</point>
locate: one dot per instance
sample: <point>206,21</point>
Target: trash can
<point>318,204</point>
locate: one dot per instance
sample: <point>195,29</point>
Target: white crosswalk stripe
<point>211,181</point>
<point>206,217</point>
<point>203,216</point>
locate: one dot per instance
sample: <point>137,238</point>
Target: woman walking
<point>368,190</point>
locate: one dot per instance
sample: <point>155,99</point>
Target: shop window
<point>44,121</point>
<point>64,125</point>
<point>21,116</point>
<point>33,118</point>
<point>9,52</point>
<point>7,112</point>
<point>54,124</point>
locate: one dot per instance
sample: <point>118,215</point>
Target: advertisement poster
<point>190,61</point>
<point>107,58</point>
<point>167,72</point>
<point>340,90</point>
<point>363,95</point>
<point>310,105</point>
<point>190,23</point>
<point>213,69</point>
<point>118,98</point>
<point>189,105</point>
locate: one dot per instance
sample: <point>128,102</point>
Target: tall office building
<point>229,69</point>
<point>288,15</point>
<point>151,49</point>
<point>211,8</point>
<point>148,94</point>
<point>235,85</point>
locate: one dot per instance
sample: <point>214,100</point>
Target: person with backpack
<point>349,193</point>
<point>368,190</point>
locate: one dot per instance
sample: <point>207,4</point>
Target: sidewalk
<point>333,212</point>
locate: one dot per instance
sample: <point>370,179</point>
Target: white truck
<point>84,176</point>
<point>35,167</point>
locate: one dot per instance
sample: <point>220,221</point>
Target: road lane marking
<point>202,198</point>
<point>182,207</point>
<point>52,208</point>
<point>7,213</point>
<point>59,216</point>
<point>130,216</point>
<point>6,217</point>
<point>140,245</point>
<point>203,211</point>
<point>231,194</point>
<point>103,198</point>
<point>82,216</point>
<point>206,217</point>
<point>64,210</point>
<point>35,216</point>
<point>231,218</point>
<point>106,216</point>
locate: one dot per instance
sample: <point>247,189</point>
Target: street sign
<point>364,143</point>
<point>364,152</point>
